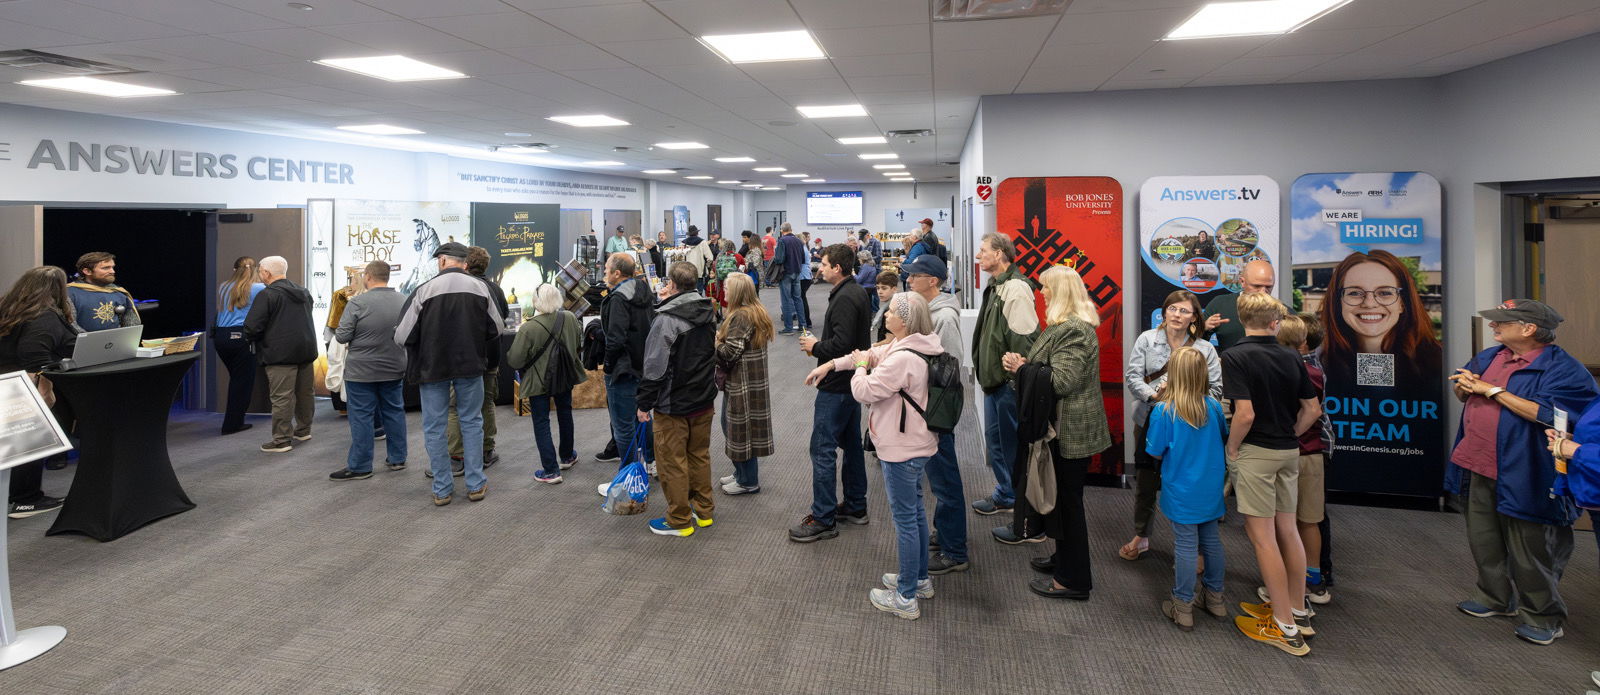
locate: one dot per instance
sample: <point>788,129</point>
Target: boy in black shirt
<point>1273,403</point>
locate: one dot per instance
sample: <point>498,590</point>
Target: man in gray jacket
<point>374,374</point>
<point>926,274</point>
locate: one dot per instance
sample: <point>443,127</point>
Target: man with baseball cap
<point>926,276</point>
<point>450,327</point>
<point>618,241</point>
<point>1502,472</point>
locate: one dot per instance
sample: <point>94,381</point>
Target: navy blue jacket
<point>1527,473</point>
<point>791,252</point>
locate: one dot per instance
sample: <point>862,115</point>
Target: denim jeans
<point>622,399</point>
<point>950,506</point>
<point>789,298</point>
<point>371,403</point>
<point>1000,437</point>
<point>747,473</point>
<point>903,483</point>
<point>539,406</point>
<point>836,424</point>
<point>1185,538</point>
<point>435,418</point>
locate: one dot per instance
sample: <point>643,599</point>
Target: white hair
<point>275,265</point>
<point>546,299</point>
<point>915,233</point>
<point>786,228</point>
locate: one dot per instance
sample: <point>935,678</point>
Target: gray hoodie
<point>947,322</point>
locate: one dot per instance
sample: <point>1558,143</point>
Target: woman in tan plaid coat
<point>746,405</point>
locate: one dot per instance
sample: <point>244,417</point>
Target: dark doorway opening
<point>161,255</point>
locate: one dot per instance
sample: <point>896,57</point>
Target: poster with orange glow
<point>1076,221</point>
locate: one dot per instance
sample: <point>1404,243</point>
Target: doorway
<point>770,218</point>
<point>631,222</point>
<point>161,259</point>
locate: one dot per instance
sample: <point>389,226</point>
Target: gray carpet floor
<point>282,581</point>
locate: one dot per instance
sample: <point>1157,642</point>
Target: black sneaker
<point>277,447</point>
<point>396,466</point>
<point>490,458</point>
<point>988,505</point>
<point>40,506</point>
<point>857,518</point>
<point>940,563</point>
<point>933,541</point>
<point>347,474</point>
<point>609,455</point>
<point>810,530</point>
<point>1005,535</point>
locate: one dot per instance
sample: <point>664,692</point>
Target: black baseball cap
<point>1524,310</point>
<point>451,249</point>
<point>925,264</point>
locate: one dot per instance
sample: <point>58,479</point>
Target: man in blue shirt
<point>791,255</point>
<point>97,301</point>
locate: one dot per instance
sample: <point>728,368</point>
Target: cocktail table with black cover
<point>124,478</point>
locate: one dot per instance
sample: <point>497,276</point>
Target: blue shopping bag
<point>630,489</point>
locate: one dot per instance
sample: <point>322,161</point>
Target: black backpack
<point>936,247</point>
<point>559,374</point>
<point>594,345</point>
<point>944,394</point>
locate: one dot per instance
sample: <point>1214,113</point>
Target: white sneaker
<point>1595,676</point>
<point>1261,592</point>
<point>890,601</point>
<point>737,489</point>
<point>650,468</point>
<point>725,480</point>
<point>604,488</point>
<point>924,587</point>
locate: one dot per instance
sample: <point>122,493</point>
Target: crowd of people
<point>1241,413</point>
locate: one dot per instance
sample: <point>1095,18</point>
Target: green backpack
<point>945,395</point>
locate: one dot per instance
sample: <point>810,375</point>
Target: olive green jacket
<point>1007,322</point>
<point>1073,352</point>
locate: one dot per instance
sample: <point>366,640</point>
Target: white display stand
<point>32,433</point>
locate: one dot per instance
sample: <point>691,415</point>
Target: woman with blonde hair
<point>746,395</point>
<point>234,298</point>
<point>531,352</point>
<point>1070,351</point>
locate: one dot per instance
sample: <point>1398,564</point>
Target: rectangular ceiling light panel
<point>395,68</point>
<point>880,155</point>
<point>832,111</point>
<point>1254,18</point>
<point>868,140</point>
<point>764,47</point>
<point>98,87</point>
<point>888,166</point>
<point>682,145</point>
<point>589,121</point>
<point>734,160</point>
<point>386,129</point>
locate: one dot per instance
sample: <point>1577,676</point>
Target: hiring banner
<point>522,242</point>
<point>1197,232</point>
<point>1076,221</point>
<point>1368,263</point>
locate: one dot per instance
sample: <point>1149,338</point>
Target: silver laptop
<point>100,347</point>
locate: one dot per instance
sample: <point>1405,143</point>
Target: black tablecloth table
<point>124,479</point>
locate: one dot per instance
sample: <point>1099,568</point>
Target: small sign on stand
<point>28,432</point>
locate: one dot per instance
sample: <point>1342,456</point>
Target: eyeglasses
<point>1384,296</point>
<point>1180,310</point>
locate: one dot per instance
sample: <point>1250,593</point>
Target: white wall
<point>877,197</point>
<point>737,215</point>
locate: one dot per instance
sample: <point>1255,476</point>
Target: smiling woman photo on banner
<point>1373,307</point>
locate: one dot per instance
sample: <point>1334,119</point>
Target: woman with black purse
<point>551,335</point>
<point>36,331</point>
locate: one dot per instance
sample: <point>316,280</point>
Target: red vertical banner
<point>1076,221</point>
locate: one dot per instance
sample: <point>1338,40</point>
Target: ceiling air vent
<point>949,164</point>
<point>958,10</point>
<point>58,64</point>
<point>918,133</point>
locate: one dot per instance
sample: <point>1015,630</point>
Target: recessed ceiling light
<point>300,6</point>
<point>601,163</point>
<point>99,87</point>
<point>888,166</point>
<point>730,181</point>
<point>813,181</point>
<point>518,135</point>
<point>893,173</point>
<point>795,176</point>
<point>753,185</point>
<point>381,129</point>
<point>770,169</point>
<point>395,68</point>
<point>880,155</point>
<point>682,145</point>
<point>658,171</point>
<point>523,149</point>
<point>591,121</point>
<point>734,160</point>
<point>771,188</point>
<point>903,179</point>
<point>764,47</point>
<point>698,178</point>
<point>834,111</point>
<point>1253,18</point>
<point>868,140</point>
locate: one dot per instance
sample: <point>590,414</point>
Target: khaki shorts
<point>1264,480</point>
<point>1312,490</point>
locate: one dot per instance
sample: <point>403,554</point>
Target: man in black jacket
<point>451,330</point>
<point>279,324</point>
<point>836,416</point>
<point>625,318</point>
<point>678,387</point>
<point>477,266</point>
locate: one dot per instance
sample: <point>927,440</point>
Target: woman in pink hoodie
<point>904,442</point>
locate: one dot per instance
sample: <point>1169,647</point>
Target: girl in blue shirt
<point>1185,436</point>
<point>234,298</point>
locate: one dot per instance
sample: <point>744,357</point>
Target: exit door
<point>770,218</point>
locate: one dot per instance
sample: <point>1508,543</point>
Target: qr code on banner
<point>1374,369</point>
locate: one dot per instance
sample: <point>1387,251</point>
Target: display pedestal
<point>18,646</point>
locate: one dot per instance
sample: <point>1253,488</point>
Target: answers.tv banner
<point>1076,221</point>
<point>1368,262</point>
<point>1197,232</point>
<point>522,242</point>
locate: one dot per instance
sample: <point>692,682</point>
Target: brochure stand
<point>30,433</point>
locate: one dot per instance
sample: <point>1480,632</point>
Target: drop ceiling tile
<point>16,35</point>
<point>130,55</point>
<point>503,30</point>
<point>199,16</point>
<point>399,36</point>
<point>477,63</point>
<point>1162,83</point>
<point>761,108</point>
<point>211,50</point>
<point>1133,28</point>
<point>1080,79</point>
<point>790,70</point>
<point>918,63</point>
<point>665,52</point>
<point>1229,80</point>
<point>1094,6</point>
<point>897,83</point>
<point>1383,14</point>
<point>1281,66</point>
<point>843,14</point>
<point>825,91</point>
<point>326,12</point>
<point>991,33</point>
<point>610,23</point>
<point>876,100</point>
<point>1309,42</point>
<point>82,20</point>
<point>299,43</point>
<point>705,17</point>
<point>874,41</point>
<point>1189,59</point>
<point>424,9</point>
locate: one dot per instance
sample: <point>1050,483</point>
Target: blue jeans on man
<point>622,400</point>
<point>435,420</point>
<point>836,424</point>
<point>539,407</point>
<point>1000,438</point>
<point>371,403</point>
<point>902,481</point>
<point>1190,541</point>
<point>949,507</point>
<point>789,306</point>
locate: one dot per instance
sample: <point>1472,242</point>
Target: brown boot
<point>1212,602</point>
<point>1179,612</point>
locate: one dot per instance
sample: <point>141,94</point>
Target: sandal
<point>1134,550</point>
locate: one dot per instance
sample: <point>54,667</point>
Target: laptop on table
<point>101,347</point>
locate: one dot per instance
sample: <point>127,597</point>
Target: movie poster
<point>1197,232</point>
<point>403,233</point>
<point>713,220</point>
<point>1076,221</point>
<point>522,241</point>
<point>1368,262</point>
<point>680,224</point>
